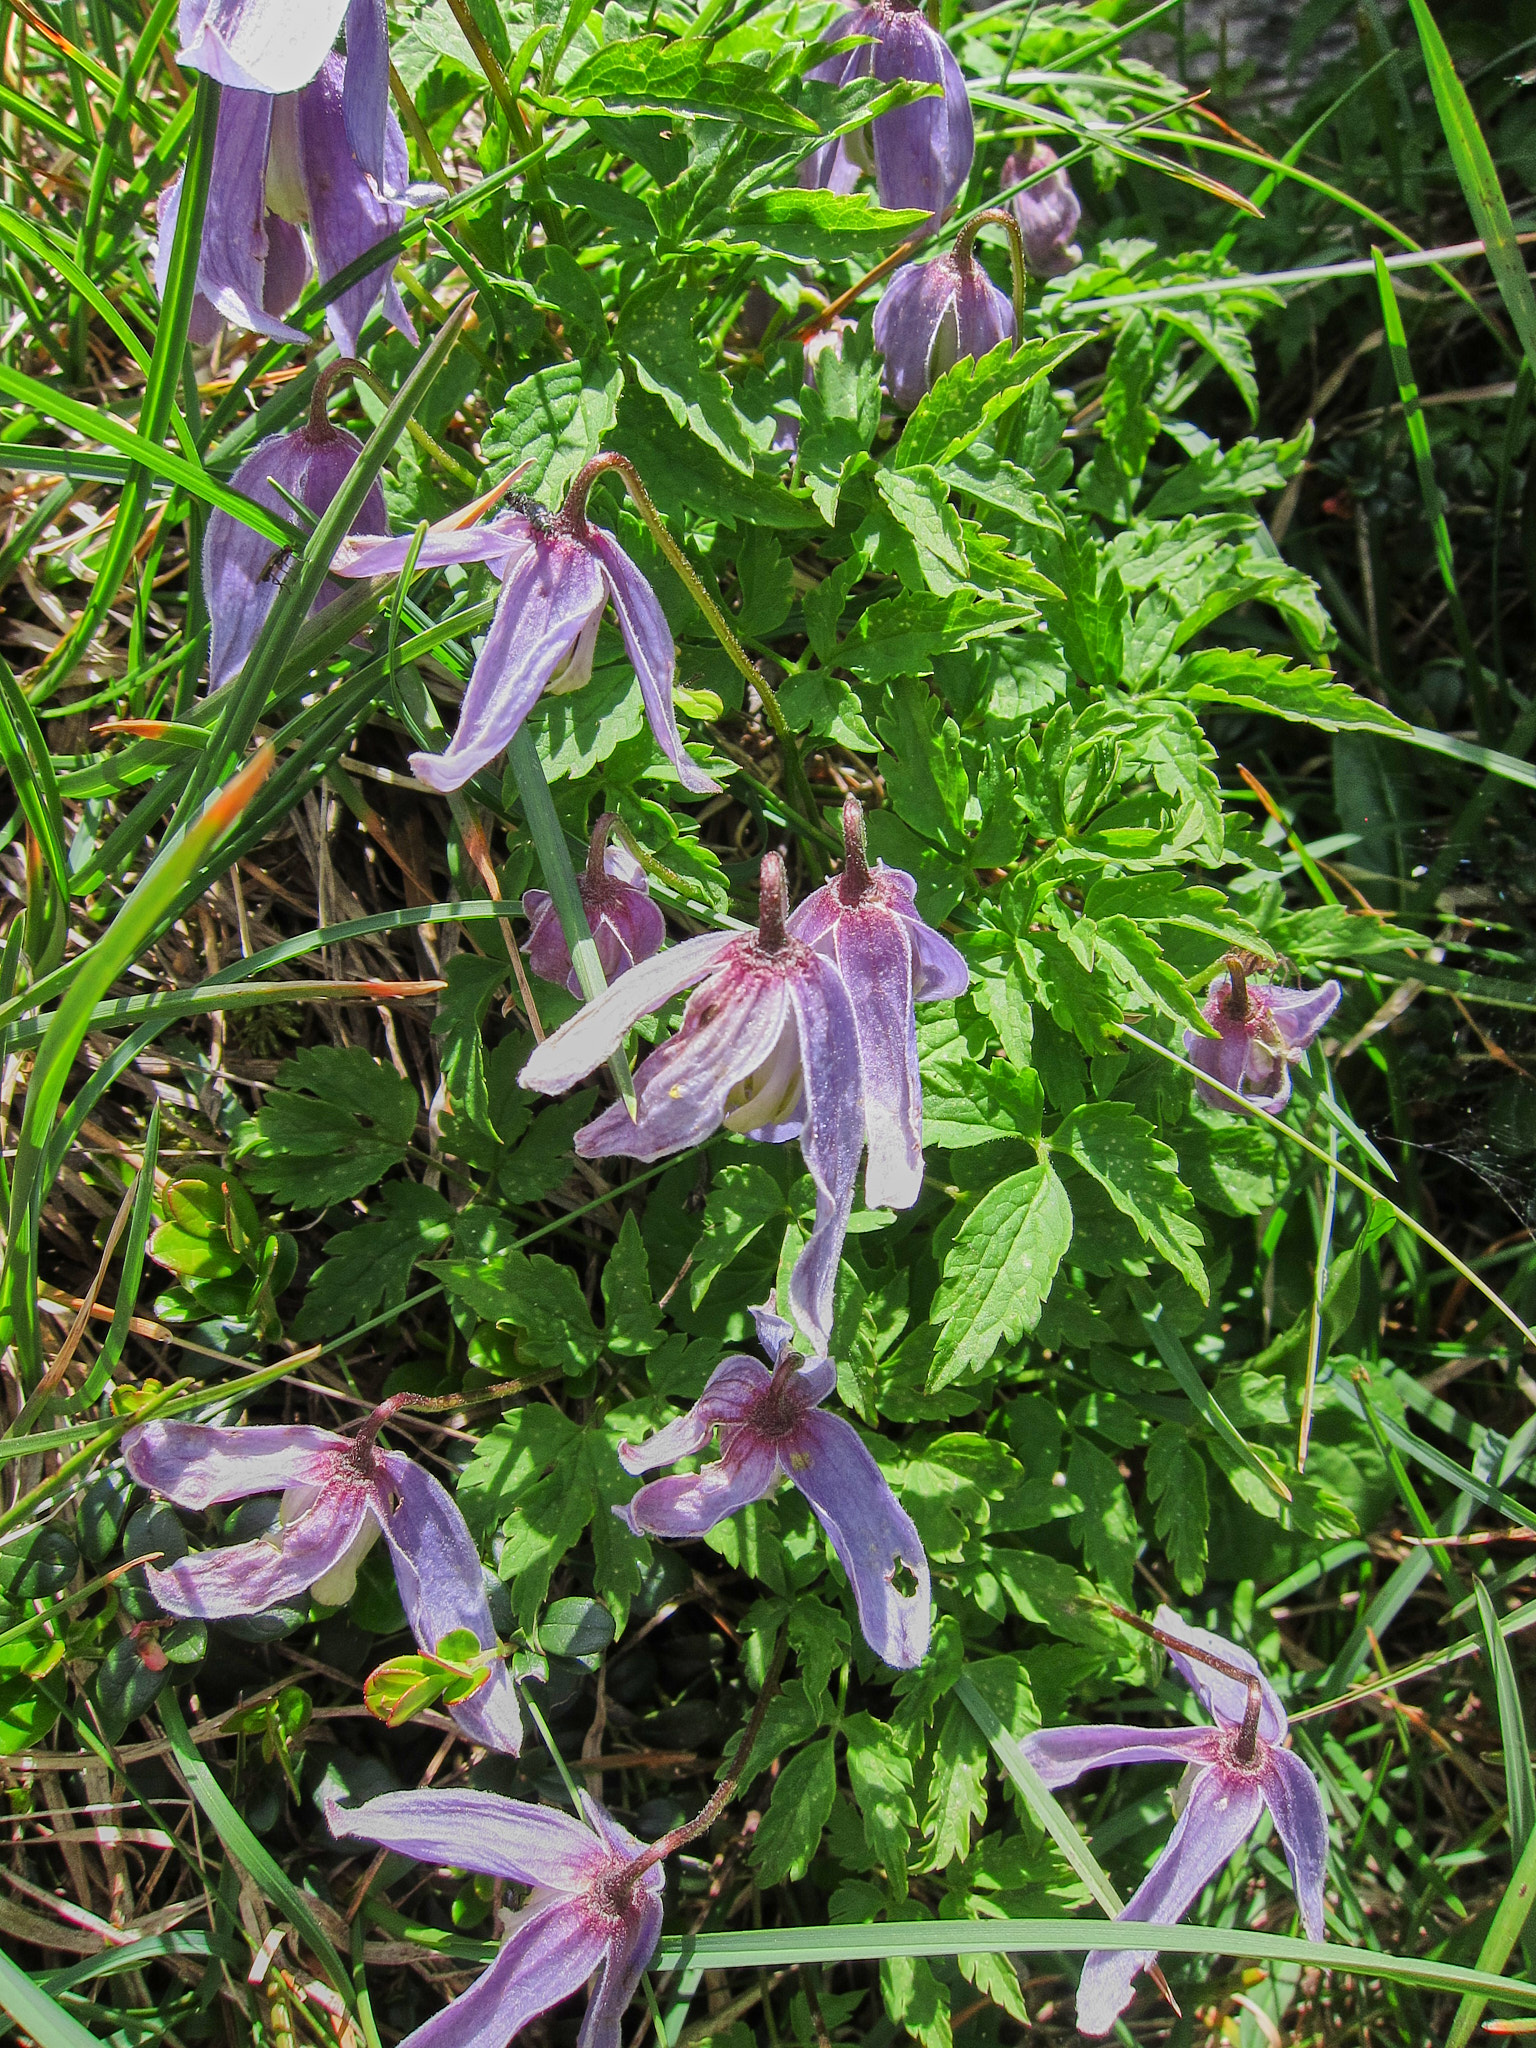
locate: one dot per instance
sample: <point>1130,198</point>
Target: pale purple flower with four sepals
<point>278,46</point>
<point>340,1494</point>
<point>241,571</point>
<point>1264,1030</point>
<point>1047,212</point>
<point>1237,1768</point>
<point>594,1907</point>
<point>279,165</point>
<point>768,1046</point>
<point>865,921</point>
<point>920,154</point>
<point>934,315</point>
<point>626,925</point>
<point>772,1427</point>
<point>558,575</point>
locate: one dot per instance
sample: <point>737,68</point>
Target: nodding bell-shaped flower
<point>933,315</point>
<point>768,1046</point>
<point>594,1906</point>
<point>920,154</point>
<point>772,1428</point>
<point>279,165</point>
<point>1234,1770</point>
<point>558,574</point>
<point>340,1494</point>
<point>1264,1029</point>
<point>626,925</point>
<point>241,573</point>
<point>278,46</point>
<point>865,921</point>
<point>1047,212</point>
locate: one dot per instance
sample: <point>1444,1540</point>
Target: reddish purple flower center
<point>610,1895</point>
<point>779,1409</point>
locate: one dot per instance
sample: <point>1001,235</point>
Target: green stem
<point>348,366</point>
<point>548,836</point>
<point>1001,217</point>
<point>506,99</point>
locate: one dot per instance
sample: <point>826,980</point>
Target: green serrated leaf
<point>1176,1482</point>
<point>790,1831</point>
<point>1140,1174</point>
<point>336,1121</point>
<point>999,1271</point>
<point>367,1269</point>
<point>880,1773</point>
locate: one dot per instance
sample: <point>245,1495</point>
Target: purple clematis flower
<point>771,1428</point>
<point>558,575</point>
<point>278,46</point>
<point>594,1907</point>
<point>1234,1771</point>
<point>340,1494</point>
<point>768,1046</point>
<point>934,315</point>
<point>240,571</point>
<point>920,154</point>
<point>281,164</point>
<point>865,921</point>
<point>1264,1030</point>
<point>626,925</point>
<point>1047,212</point>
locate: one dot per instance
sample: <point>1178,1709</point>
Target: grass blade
<point>1518,1780</point>
<point>49,2025</point>
<point>1508,1925</point>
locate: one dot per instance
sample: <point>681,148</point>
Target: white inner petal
<point>286,195</point>
<point>336,1587</point>
<point>771,1094</point>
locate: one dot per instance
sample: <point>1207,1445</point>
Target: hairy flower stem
<point>1246,1746</point>
<point>439,1404</point>
<point>574,514</point>
<point>1003,219</point>
<point>348,366</point>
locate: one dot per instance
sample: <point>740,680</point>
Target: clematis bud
<point>626,925</point>
<point>558,576</point>
<point>241,574</point>
<point>786,428</point>
<point>936,314</point>
<point>920,154</point>
<point>1263,1031</point>
<point>280,165</point>
<point>1047,212</point>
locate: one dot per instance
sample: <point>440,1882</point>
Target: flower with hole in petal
<point>772,1428</point>
<point>1233,1771</point>
<point>241,573</point>
<point>558,575</point>
<point>920,154</point>
<point>280,165</point>
<point>279,46</point>
<point>340,1494</point>
<point>768,1046</point>
<point>1047,212</point>
<point>626,925</point>
<point>934,315</point>
<point>865,921</point>
<point>593,1908</point>
<point>1263,1031</point>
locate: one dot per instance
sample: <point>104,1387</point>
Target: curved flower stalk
<point>1234,1770</point>
<point>920,154</point>
<point>241,574</point>
<point>1047,212</point>
<point>278,46</point>
<point>626,925</point>
<point>340,1494</point>
<point>1264,1030</point>
<point>936,314</point>
<point>768,1046</point>
<point>865,921</point>
<point>772,1428</point>
<point>558,576</point>
<point>280,165</point>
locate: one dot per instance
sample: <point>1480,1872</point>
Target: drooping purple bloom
<point>340,1494</point>
<point>278,46</point>
<point>1264,1030</point>
<point>772,1428</point>
<point>594,1907</point>
<point>768,1046</point>
<point>626,925</point>
<point>279,165</point>
<point>865,921</point>
<point>241,573</point>
<point>558,575</point>
<point>1237,1768</point>
<point>920,154</point>
<point>1047,212</point>
<point>934,315</point>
